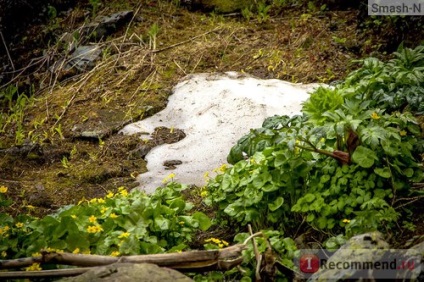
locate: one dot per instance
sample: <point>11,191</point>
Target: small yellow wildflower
<point>4,230</point>
<point>121,188</point>
<point>101,201</point>
<point>124,235</point>
<point>204,194</point>
<point>33,267</point>
<point>402,133</point>
<point>103,210</point>
<point>94,229</point>
<point>222,168</point>
<point>19,225</point>
<point>218,242</point>
<point>3,254</point>
<point>169,177</point>
<point>346,220</point>
<point>123,193</point>
<point>374,115</point>
<point>3,189</point>
<point>76,251</point>
<point>109,195</point>
<point>113,215</point>
<point>92,219</point>
<point>115,253</point>
<point>74,216</point>
<point>36,255</point>
<point>93,201</point>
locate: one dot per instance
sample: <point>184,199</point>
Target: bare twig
<point>7,50</point>
<point>185,41</point>
<point>257,255</point>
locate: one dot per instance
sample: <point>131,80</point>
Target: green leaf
<point>364,157</point>
<point>310,217</point>
<point>276,204</point>
<point>383,172</point>
<point>204,220</point>
<point>309,198</point>
<point>409,172</point>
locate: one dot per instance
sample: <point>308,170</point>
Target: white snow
<point>214,111</point>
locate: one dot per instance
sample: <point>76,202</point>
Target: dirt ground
<point>45,161</point>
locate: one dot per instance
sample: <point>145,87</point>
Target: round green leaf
<point>383,172</point>
<point>276,204</point>
<point>364,157</point>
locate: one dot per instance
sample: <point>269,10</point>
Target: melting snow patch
<point>214,111</point>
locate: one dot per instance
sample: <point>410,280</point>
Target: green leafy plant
<point>121,223</point>
<point>344,159</point>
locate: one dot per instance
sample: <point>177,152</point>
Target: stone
<point>127,272</point>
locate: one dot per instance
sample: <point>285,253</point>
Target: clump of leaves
<point>344,163</point>
<point>122,223</point>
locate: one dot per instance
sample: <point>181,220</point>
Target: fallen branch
<point>192,261</point>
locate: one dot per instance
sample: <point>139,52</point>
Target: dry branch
<point>193,261</point>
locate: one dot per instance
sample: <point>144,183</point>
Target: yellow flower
<point>124,235</point>
<point>225,243</point>
<point>103,210</point>
<point>3,189</point>
<point>222,168</point>
<point>115,253</point>
<point>123,193</point>
<point>109,195</point>
<point>402,133</point>
<point>346,220</point>
<point>19,225</point>
<point>3,254</point>
<point>4,230</point>
<point>93,201</point>
<point>33,267</point>
<point>204,194</point>
<point>92,219</point>
<point>181,222</point>
<point>374,115</point>
<point>113,215</point>
<point>169,177</point>
<point>36,255</point>
<point>101,201</point>
<point>94,229</point>
<point>121,188</point>
<point>76,251</point>
<point>74,216</point>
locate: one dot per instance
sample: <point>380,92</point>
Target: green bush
<point>345,163</point>
<point>119,224</point>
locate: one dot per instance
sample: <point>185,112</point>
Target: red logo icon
<point>309,263</point>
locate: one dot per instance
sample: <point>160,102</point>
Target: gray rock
<point>105,25</point>
<point>127,272</point>
<point>369,247</point>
